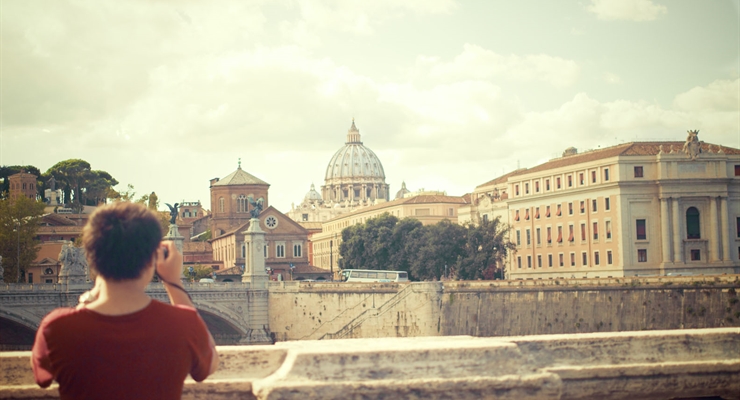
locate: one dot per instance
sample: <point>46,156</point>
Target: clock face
<point>271,222</point>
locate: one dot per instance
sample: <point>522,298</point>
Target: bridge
<point>225,307</point>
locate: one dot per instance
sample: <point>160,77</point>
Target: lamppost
<point>18,258</point>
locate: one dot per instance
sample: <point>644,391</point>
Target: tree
<point>485,251</point>
<point>201,271</point>
<point>19,221</point>
<point>436,250</point>
<point>368,245</point>
<point>79,183</point>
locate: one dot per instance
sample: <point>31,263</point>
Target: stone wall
<point>501,308</point>
<point>627,365</point>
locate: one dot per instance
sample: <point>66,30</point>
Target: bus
<point>371,275</point>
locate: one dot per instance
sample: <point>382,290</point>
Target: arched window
<point>221,204</point>
<point>241,204</point>
<point>693,225</point>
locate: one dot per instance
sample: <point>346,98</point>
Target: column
<point>677,248</point>
<point>725,221</point>
<point>364,192</point>
<point>665,231</point>
<point>712,226</point>
<point>351,193</point>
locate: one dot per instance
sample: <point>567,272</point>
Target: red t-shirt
<point>144,355</point>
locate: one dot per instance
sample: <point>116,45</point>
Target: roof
<point>230,271</point>
<point>624,149</point>
<point>310,269</point>
<point>57,219</point>
<point>420,199</point>
<point>240,177</point>
<point>196,247</point>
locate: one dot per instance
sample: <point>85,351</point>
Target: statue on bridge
<point>256,206</point>
<point>173,212</point>
<point>74,265</point>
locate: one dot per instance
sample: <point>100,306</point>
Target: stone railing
<point>644,365</point>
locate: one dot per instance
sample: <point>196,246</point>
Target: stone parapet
<point>645,365</point>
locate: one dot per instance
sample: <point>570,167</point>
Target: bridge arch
<point>225,328</point>
<point>17,329</point>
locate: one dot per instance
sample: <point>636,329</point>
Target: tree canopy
<point>19,221</point>
<point>79,183</point>
<point>426,252</point>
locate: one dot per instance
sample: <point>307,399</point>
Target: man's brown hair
<point>120,240</point>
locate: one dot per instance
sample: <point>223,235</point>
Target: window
<point>529,240</point>
<point>596,258</point>
<point>526,215</point>
<point>537,186</point>
<point>583,232</point>
<point>30,274</point>
<point>572,259</point>
<point>516,190</point>
<point>549,235</point>
<point>695,255</point>
<point>580,179</point>
<point>451,212</point>
<point>265,251</point>
<point>547,214</point>
<point>693,226</point>
<point>638,172</point>
<point>537,236</point>
<point>641,230</point>
<point>537,213</point>
<point>241,204</point>
<point>297,250</point>
<point>560,234</point>
<point>304,217</point>
<point>607,205</point>
<point>549,260</point>
<point>737,170</point>
<point>518,238</point>
<point>609,257</point>
<point>244,251</point>
<point>596,231</point>
<point>642,255</point>
<point>570,208</point>
<point>539,261</point>
<point>584,259</point>
<point>594,205</point>
<point>557,182</point>
<point>516,215</point>
<point>570,180</point>
<point>560,257</point>
<point>547,183</point>
<point>485,217</point>
<point>519,262</point>
<point>593,176</point>
<point>583,207</point>
<point>570,233</point>
<point>737,228</point>
<point>221,204</point>
<point>526,188</point>
<point>280,251</point>
<point>529,261</point>
<point>608,229</point>
<point>606,174</point>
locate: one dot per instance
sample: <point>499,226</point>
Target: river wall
<point>302,311</point>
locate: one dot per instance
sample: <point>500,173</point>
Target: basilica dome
<point>354,160</point>
<point>354,172</point>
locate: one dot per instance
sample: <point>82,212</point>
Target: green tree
<point>19,221</point>
<point>436,250</point>
<point>201,271</point>
<point>368,245</point>
<point>71,175</point>
<point>485,251</point>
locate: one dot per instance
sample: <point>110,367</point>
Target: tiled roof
<point>625,149</point>
<point>240,177</point>
<point>310,269</point>
<point>196,247</point>
<point>420,199</point>
<point>59,229</point>
<point>230,271</point>
<point>57,219</point>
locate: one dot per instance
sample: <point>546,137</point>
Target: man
<point>120,343</point>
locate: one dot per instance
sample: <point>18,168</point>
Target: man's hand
<point>169,268</point>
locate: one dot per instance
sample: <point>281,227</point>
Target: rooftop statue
<point>256,206</point>
<point>173,212</point>
<point>692,147</point>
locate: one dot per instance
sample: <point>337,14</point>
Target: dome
<point>403,191</point>
<point>354,160</point>
<point>312,195</point>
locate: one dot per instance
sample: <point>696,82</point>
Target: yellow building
<point>641,208</point>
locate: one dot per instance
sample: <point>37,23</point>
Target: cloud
<point>628,10</point>
<point>476,62</point>
<point>720,95</point>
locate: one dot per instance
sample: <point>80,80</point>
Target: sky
<point>166,95</point>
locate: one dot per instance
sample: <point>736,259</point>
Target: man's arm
<point>169,270</point>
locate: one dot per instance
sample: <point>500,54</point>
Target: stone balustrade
<point>627,365</point>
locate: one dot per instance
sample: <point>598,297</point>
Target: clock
<point>271,222</point>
